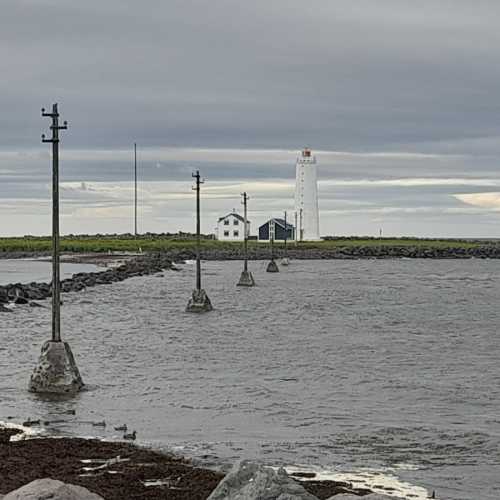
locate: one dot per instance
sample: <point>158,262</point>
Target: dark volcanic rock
<point>141,266</point>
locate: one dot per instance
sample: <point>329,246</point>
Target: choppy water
<point>364,367</point>
<point>26,271</point>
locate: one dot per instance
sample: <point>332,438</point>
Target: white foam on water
<point>382,481</point>
<point>26,432</point>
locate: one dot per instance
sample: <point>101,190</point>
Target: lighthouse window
<point>226,233</point>
<point>226,222</point>
<point>236,222</point>
<point>236,233</point>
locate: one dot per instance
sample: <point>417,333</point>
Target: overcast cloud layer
<point>398,98</point>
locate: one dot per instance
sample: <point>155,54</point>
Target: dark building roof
<point>280,222</point>
<point>239,217</point>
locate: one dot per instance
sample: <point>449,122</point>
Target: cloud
<point>397,99</point>
<point>490,201</point>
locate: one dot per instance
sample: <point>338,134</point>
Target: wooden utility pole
<point>296,233</point>
<point>199,301</point>
<point>246,278</point>
<point>198,230</point>
<point>285,261</point>
<point>245,237</point>
<point>56,280</point>
<point>56,370</point>
<point>272,267</point>
<point>286,233</point>
<point>301,226</point>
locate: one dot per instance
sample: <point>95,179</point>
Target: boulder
<point>250,481</point>
<point>42,489</point>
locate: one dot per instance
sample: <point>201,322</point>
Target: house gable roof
<point>237,216</point>
<point>279,222</point>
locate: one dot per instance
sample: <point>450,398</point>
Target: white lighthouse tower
<point>306,197</point>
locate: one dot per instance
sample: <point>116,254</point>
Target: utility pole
<point>301,226</point>
<point>199,301</point>
<point>135,189</point>
<point>56,280</point>
<point>296,233</point>
<point>285,261</point>
<point>198,230</point>
<point>246,278</point>
<point>272,267</point>
<point>56,370</point>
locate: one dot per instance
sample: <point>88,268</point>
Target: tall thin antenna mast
<point>135,189</point>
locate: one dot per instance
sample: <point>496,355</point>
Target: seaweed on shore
<point>138,473</point>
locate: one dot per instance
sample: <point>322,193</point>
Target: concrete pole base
<point>246,279</point>
<point>285,261</point>
<point>56,371</point>
<point>272,267</point>
<point>199,302</point>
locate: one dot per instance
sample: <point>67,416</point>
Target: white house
<point>231,227</point>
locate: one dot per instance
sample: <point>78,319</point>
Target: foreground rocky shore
<point>122,471</point>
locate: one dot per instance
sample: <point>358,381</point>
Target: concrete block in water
<point>250,481</point>
<point>272,267</point>
<point>42,489</point>
<point>199,302</point>
<point>246,279</point>
<point>56,370</point>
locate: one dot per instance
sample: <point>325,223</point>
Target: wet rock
<point>43,489</point>
<point>250,481</point>
<point>141,266</point>
<point>371,496</point>
<point>4,309</point>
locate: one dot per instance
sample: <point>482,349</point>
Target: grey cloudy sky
<point>399,99</point>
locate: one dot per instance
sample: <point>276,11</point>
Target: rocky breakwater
<point>19,293</point>
<point>303,251</point>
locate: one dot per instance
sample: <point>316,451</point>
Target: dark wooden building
<point>281,230</point>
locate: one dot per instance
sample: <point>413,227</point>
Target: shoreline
<point>123,265</point>
<point>138,472</point>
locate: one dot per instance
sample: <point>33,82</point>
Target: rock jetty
<point>140,266</point>
<point>344,252</point>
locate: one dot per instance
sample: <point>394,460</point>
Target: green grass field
<point>159,243</point>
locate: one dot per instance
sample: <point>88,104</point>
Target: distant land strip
<point>182,247</point>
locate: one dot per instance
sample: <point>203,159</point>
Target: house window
<point>226,222</point>
<point>226,233</point>
<point>236,233</point>
<point>236,222</point>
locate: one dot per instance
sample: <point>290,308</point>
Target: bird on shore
<point>121,428</point>
<point>131,436</point>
